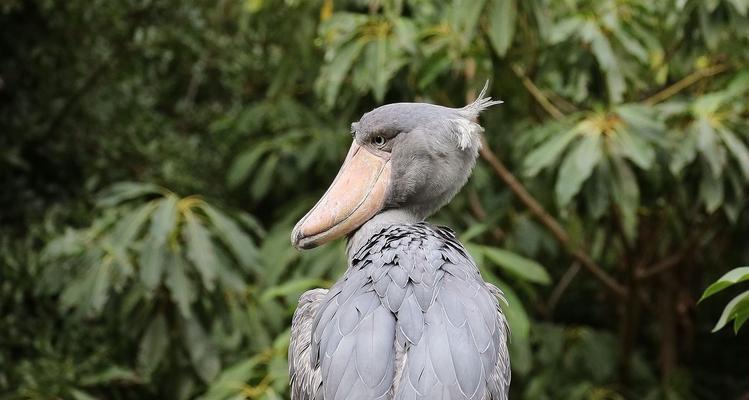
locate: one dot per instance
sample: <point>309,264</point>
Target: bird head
<point>409,156</point>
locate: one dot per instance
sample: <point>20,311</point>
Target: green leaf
<point>548,152</point>
<point>626,194</point>
<point>577,167</point>
<point>707,144</point>
<point>519,322</point>
<point>737,148</point>
<point>264,178</point>
<point>110,375</point>
<point>152,259</point>
<point>232,380</point>
<point>607,60</point>
<point>124,191</point>
<point>466,15</point>
<point>200,250</point>
<point>81,395</point>
<point>732,277</point>
<point>732,309</point>
<point>153,346</point>
<point>237,240</point>
<point>180,287</point>
<point>635,148</point>
<point>502,16</point>
<point>334,72</point>
<point>741,316</point>
<point>684,153</point>
<point>711,192</point>
<point>473,230</point>
<point>243,165</point>
<point>202,351</point>
<point>129,226</point>
<point>517,265</point>
<point>293,287</point>
<point>89,292</point>
<point>163,219</point>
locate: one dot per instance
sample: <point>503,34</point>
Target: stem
<point>549,222</point>
<point>685,82</point>
<point>537,93</point>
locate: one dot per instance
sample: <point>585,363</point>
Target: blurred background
<point>154,156</point>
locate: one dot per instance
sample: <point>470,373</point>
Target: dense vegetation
<point>154,156</point>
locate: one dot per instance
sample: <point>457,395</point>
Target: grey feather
<point>384,335</point>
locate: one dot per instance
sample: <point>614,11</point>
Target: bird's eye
<point>378,140</point>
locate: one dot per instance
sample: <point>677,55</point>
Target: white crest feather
<point>481,103</point>
<point>467,128</point>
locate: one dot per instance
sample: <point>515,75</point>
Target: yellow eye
<point>379,140</point>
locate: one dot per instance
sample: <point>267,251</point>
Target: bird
<point>411,318</point>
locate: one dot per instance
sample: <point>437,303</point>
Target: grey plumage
<point>411,289</point>
<point>411,318</point>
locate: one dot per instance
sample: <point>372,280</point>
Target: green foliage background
<point>154,156</point>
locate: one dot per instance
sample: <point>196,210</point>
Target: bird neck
<point>376,224</point>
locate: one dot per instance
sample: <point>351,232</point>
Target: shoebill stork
<point>411,318</point>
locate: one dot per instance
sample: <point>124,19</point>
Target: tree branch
<point>549,222</point>
<point>537,93</point>
<point>685,82</point>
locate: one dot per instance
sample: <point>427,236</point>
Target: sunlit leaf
<point>736,305</point>
<point>730,278</point>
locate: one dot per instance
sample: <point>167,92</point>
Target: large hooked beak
<point>356,195</point>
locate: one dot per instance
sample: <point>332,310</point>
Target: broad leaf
<point>180,287</point>
<point>731,277</point>
<point>237,240</point>
<point>163,219</point>
<point>736,306</point>
<point>547,153</point>
<point>517,265</point>
<point>502,16</point>
<point>153,346</point>
<point>577,167</point>
<point>123,191</point>
<point>202,351</point>
<point>200,250</point>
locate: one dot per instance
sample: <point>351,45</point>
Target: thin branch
<point>685,82</point>
<point>537,93</point>
<point>564,283</point>
<point>479,212</point>
<point>549,222</point>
